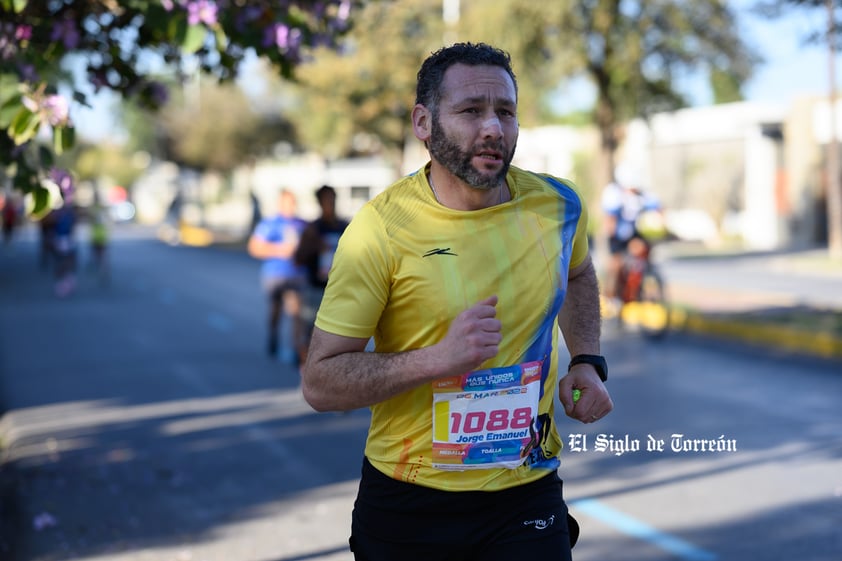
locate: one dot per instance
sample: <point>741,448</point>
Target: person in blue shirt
<point>61,223</point>
<point>274,241</point>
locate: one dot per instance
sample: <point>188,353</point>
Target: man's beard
<point>458,162</point>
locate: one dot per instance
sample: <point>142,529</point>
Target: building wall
<point>722,162</point>
<point>808,135</point>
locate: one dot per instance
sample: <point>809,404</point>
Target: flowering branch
<point>36,36</point>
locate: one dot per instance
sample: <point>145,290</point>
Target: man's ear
<point>422,122</point>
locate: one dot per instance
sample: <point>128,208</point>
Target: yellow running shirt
<point>405,268</point>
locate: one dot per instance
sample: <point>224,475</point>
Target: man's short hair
<point>431,73</point>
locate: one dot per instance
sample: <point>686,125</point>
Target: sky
<point>792,69</point>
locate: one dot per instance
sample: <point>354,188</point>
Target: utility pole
<point>834,187</point>
<point>450,12</point>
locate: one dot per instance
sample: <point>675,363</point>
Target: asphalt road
<point>143,421</point>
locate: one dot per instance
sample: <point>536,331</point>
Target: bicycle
<point>642,293</point>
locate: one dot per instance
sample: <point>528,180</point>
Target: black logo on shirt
<point>439,251</point>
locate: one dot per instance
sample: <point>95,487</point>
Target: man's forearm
<point>359,379</point>
<point>580,319</point>
<point>261,249</point>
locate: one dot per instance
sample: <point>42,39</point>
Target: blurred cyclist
<point>624,201</point>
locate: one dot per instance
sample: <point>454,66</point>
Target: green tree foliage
<point>833,8</point>
<point>94,161</point>
<point>358,100</point>
<point>211,126</point>
<point>634,52</point>
<point>726,87</point>
<point>116,38</point>
<point>532,38</point>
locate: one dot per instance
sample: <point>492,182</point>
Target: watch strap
<point>597,361</point>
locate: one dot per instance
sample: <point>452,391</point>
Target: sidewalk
<point>757,316</point>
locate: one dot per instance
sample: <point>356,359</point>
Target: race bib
<point>485,419</point>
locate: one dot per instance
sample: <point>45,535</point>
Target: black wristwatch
<point>597,361</point>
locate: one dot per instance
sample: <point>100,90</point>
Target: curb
<point>816,343</point>
<point>196,236</point>
<point>745,328</point>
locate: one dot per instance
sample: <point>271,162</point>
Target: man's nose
<point>491,127</point>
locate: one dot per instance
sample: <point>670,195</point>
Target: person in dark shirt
<point>315,253</point>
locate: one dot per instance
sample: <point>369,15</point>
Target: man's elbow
<point>254,249</point>
<point>314,397</point>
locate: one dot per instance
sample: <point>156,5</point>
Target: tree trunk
<point>606,121</point>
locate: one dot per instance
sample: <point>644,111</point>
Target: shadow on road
<point>134,423</point>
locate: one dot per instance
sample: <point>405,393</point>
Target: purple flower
<point>27,73</point>
<point>201,11</point>
<point>64,180</point>
<point>275,34</point>
<point>8,46</point>
<point>295,38</point>
<point>7,49</point>
<point>246,16</point>
<point>285,38</point>
<point>344,10</point>
<point>158,93</point>
<point>98,79</point>
<point>66,32</point>
<point>281,36</point>
<point>23,33</point>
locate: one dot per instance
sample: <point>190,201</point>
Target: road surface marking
<point>642,531</point>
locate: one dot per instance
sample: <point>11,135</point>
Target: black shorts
<point>275,288</point>
<point>616,245</point>
<point>311,299</point>
<point>394,520</point>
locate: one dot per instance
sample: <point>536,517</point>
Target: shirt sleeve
<point>263,230</point>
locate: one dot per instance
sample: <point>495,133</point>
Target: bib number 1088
<point>496,420</point>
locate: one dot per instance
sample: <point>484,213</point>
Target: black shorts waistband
<point>380,489</point>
